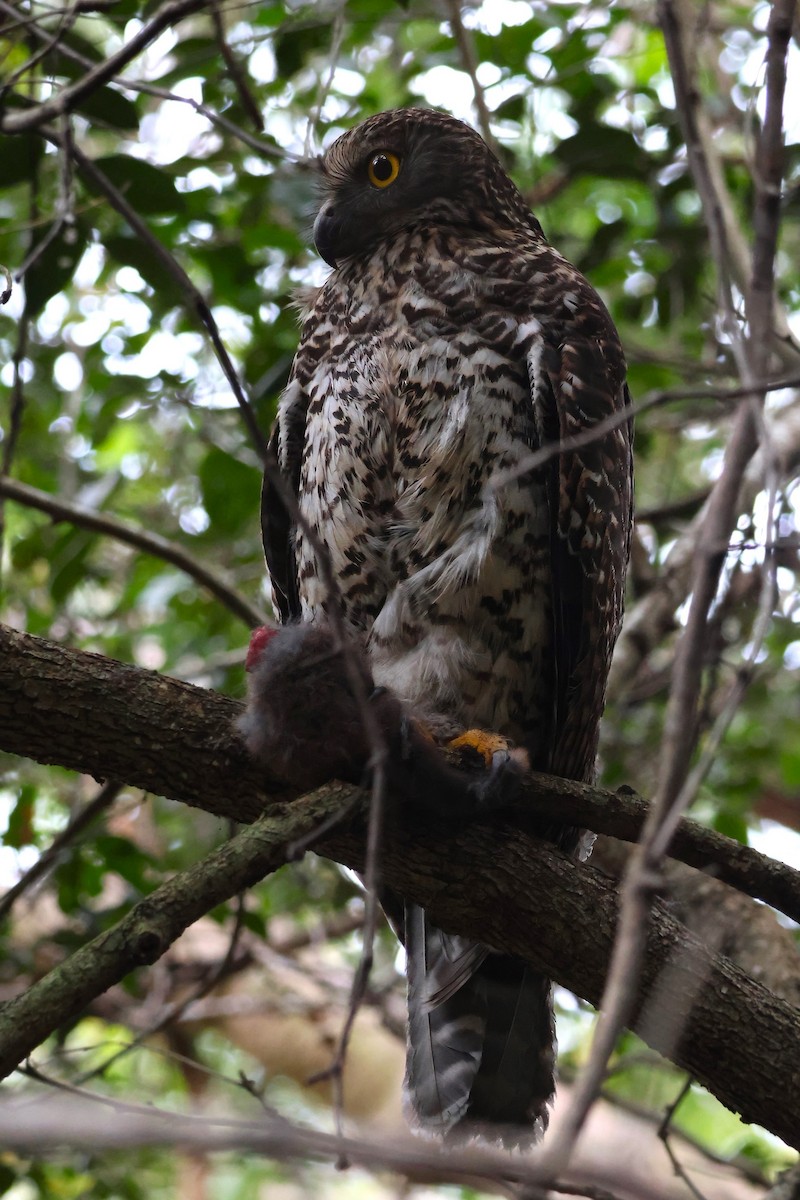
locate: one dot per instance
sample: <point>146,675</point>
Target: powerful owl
<point>449,344</point>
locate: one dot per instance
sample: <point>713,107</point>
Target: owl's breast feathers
<point>418,372</point>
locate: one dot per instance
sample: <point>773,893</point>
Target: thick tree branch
<point>500,885</point>
<point>105,718</point>
<point>152,926</point>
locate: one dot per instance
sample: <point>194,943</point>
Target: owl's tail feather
<point>480,1039</point>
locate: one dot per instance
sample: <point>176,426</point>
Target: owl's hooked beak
<point>327,227</point>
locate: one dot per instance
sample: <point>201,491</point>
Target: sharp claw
<point>498,783</point>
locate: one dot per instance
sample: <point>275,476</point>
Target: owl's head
<point>406,166</point>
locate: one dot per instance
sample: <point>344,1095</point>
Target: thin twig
<point>664,1131</point>
<point>642,874</point>
<point>681,787</point>
<point>17,406</point>
<point>720,516</point>
<point>51,42</point>
<point>729,246</point>
<point>47,859</point>
<point>123,84</point>
<point>325,84</point>
<point>141,539</point>
<point>65,206</point>
<point>469,61</point>
<point>194,299</point>
<point>16,120</point>
<point>655,399</point>
<point>173,1012</point>
<point>237,74</point>
<point>17,398</point>
<point>120,1125</point>
<point>654,614</point>
<point>768,180</point>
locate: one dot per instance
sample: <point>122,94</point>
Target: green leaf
<point>230,491</point>
<point>122,856</point>
<point>790,767</point>
<point>20,155</point>
<point>20,822</point>
<point>293,46</point>
<point>110,107</point>
<point>732,826</point>
<point>147,188</point>
<point>7,1177</point>
<point>191,56</point>
<point>135,253</point>
<point>69,563</point>
<point>601,150</point>
<point>52,270</point>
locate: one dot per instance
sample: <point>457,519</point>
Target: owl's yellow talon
<point>482,742</point>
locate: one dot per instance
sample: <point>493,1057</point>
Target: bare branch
<point>66,706</point>
<point>237,74</point>
<point>325,82</point>
<point>652,400</point>
<point>48,858</point>
<point>768,182</point>
<point>654,615</point>
<point>469,61</point>
<point>140,539</point>
<point>675,785</point>
<point>260,145</point>
<point>193,298</point>
<point>16,121</point>
<point>149,929</point>
<point>46,692</point>
<point>35,1128</point>
<point>729,246</point>
<point>17,405</point>
<point>664,1131</point>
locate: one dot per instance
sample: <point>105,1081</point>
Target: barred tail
<point>481,1038</point>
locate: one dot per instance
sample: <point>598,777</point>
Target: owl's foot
<point>482,743</point>
<point>504,765</point>
<point>499,784</point>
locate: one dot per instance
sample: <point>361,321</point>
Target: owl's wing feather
<point>577,383</point>
<point>282,476</point>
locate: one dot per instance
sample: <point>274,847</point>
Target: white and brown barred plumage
<point>449,342</point>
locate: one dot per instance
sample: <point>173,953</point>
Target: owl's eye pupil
<point>383,169</point>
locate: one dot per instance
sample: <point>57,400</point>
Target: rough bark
<point>496,883</point>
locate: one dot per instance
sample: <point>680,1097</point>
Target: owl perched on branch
<point>449,344</point>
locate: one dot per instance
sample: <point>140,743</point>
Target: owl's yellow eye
<point>383,169</point>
